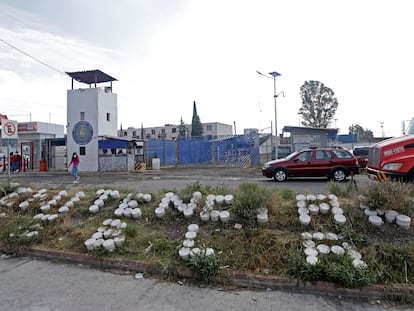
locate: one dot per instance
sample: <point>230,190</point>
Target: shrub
<point>343,191</point>
<point>340,270</point>
<point>13,234</point>
<point>389,195</point>
<point>205,266</point>
<point>7,188</point>
<point>299,269</point>
<point>287,194</point>
<point>247,200</point>
<point>197,186</point>
<point>187,193</point>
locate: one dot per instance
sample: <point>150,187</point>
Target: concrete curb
<point>241,280</point>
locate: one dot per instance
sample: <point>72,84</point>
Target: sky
<point>166,54</point>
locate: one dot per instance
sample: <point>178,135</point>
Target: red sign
<point>9,129</point>
<point>28,127</point>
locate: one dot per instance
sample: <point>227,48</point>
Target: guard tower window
<point>82,150</point>
<point>108,116</point>
<point>82,116</point>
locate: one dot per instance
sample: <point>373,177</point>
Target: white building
<point>171,132</point>
<point>92,114</point>
<point>31,143</point>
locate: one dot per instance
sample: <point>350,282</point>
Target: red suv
<point>336,164</point>
<point>361,153</point>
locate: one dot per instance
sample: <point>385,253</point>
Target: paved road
<point>33,285</point>
<point>177,178</point>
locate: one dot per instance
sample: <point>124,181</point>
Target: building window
<point>108,116</point>
<point>173,130</point>
<point>82,150</point>
<point>162,131</point>
<point>134,133</point>
<point>82,116</point>
<point>152,132</point>
<point>209,128</point>
<point>125,133</point>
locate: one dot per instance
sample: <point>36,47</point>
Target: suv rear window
<point>342,154</point>
<point>361,151</point>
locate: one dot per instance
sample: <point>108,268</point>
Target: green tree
<point>318,104</point>
<point>182,132</point>
<point>364,135</point>
<point>196,125</point>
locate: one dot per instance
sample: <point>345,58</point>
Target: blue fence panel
<point>240,151</point>
<point>161,148</point>
<point>169,152</point>
<point>184,151</point>
<point>194,150</point>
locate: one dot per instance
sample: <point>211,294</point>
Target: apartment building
<point>171,131</point>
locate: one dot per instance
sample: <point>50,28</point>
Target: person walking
<point>75,163</point>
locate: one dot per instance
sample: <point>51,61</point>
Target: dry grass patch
<point>254,248</point>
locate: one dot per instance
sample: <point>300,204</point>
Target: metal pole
<point>276,137</point>
<point>273,75</point>
<point>272,140</point>
<point>8,160</point>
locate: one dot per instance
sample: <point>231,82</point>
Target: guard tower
<point>92,113</point>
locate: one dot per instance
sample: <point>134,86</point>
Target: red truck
<point>393,159</point>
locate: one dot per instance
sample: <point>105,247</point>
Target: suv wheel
<point>410,177</point>
<point>338,175</point>
<point>280,175</point>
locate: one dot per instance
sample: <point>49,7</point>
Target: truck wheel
<point>280,175</point>
<point>338,175</point>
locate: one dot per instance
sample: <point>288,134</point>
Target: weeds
<point>287,194</point>
<point>7,188</point>
<point>343,191</point>
<point>248,199</point>
<point>350,235</point>
<point>333,268</point>
<point>398,260</point>
<point>205,266</point>
<point>389,195</point>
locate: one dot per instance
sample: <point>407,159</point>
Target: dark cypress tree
<point>196,125</point>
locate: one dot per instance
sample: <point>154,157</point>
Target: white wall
<point>107,104</point>
<point>55,130</point>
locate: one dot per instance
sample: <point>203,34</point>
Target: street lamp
<point>273,75</point>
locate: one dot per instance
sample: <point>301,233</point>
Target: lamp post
<point>274,75</point>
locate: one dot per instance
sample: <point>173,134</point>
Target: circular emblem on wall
<point>82,132</point>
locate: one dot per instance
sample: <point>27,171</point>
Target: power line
<point>32,57</point>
